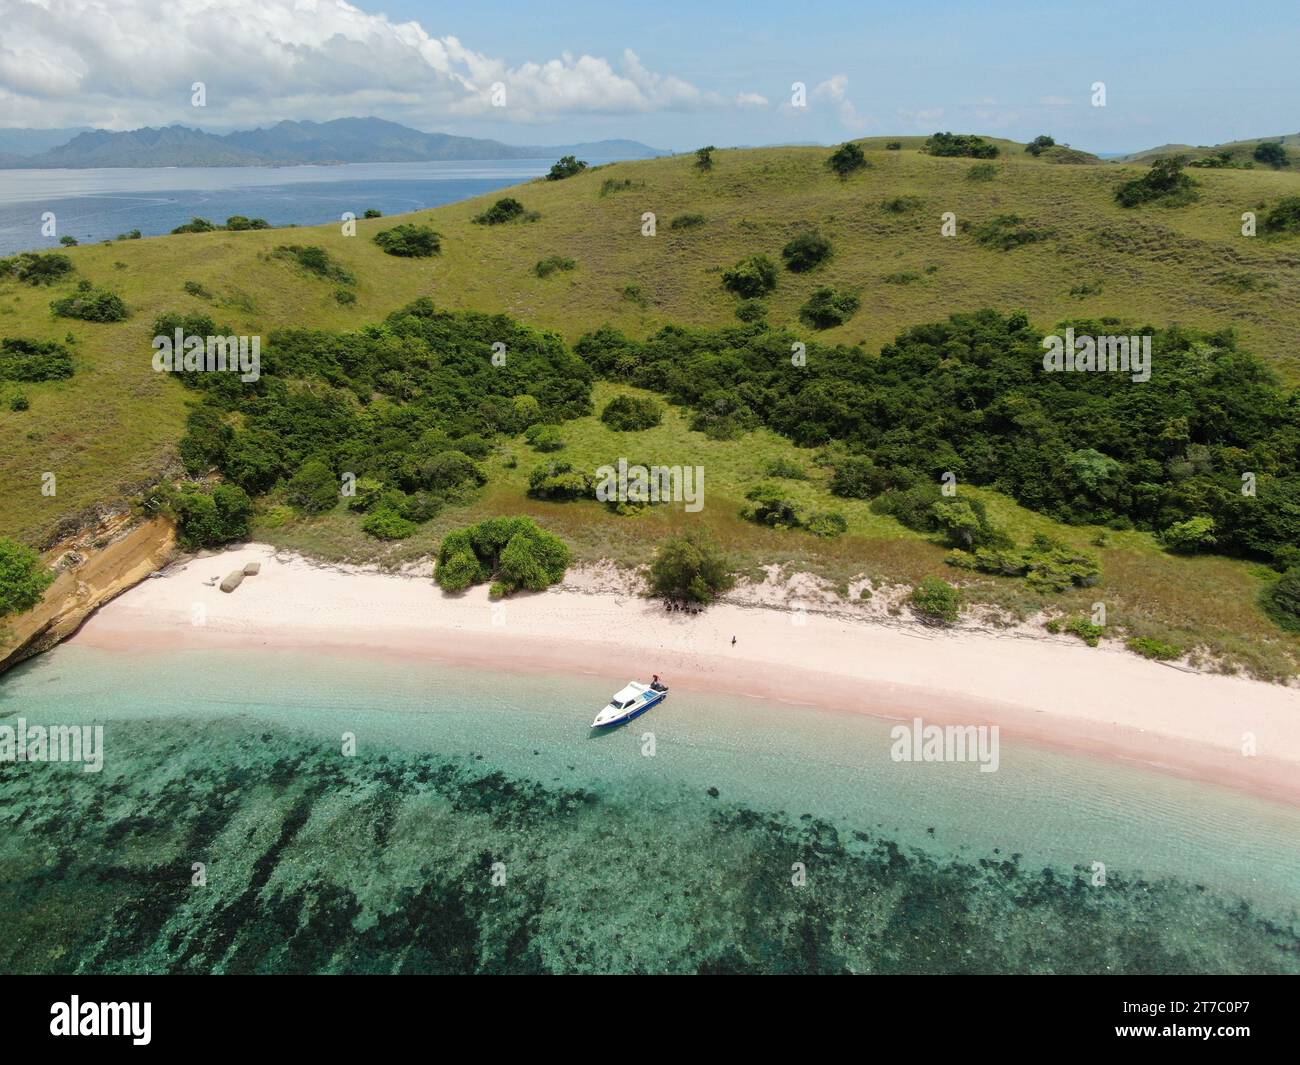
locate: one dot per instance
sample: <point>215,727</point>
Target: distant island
<point>343,140</point>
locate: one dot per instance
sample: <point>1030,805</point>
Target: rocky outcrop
<point>93,566</point>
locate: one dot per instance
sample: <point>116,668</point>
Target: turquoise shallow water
<point>480,826</point>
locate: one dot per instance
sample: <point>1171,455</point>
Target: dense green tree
<point>960,144</point>
<point>23,577</point>
<point>1271,153</point>
<point>847,159</point>
<point>567,166</point>
<point>514,553</point>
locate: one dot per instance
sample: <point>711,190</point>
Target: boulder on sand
<point>233,581</point>
<point>252,569</point>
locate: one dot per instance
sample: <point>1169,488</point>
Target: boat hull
<point>641,707</point>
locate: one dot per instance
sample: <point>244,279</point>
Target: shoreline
<point>1055,693</point>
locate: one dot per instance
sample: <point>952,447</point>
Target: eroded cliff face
<point>94,566</point>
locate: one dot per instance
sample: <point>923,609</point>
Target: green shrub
<point>1194,534</point>
<point>753,276</point>
<point>385,523</point>
<point>612,185</point>
<point>827,308</point>
<point>1165,184</point>
<point>197,225</point>
<point>704,158</point>
<point>238,222</point>
<point>196,289</point>
<point>847,159</point>
<point>1281,600</point>
<point>768,506</point>
<point>68,241</point>
<point>751,310</point>
<point>857,477</point>
<point>410,241</point>
<point>345,296</point>
<point>894,146</point>
<point>958,144</point>
<point>315,260</point>
<point>935,601</point>
<point>313,488</point>
<point>787,469</point>
<point>687,221</point>
<point>982,172</point>
<point>90,304</point>
<point>1149,647</point>
<point>632,413</point>
<point>544,437</point>
<point>559,482</point>
<point>806,251</point>
<point>1085,630</point>
<point>901,204</point>
<point>34,360</point>
<point>37,268</point>
<point>19,402</point>
<point>1039,144</point>
<point>1283,216</point>
<point>23,577</point>
<point>690,568</point>
<point>1007,231</point>
<point>506,209</point>
<point>827,523</point>
<point>372,212</point>
<point>546,267</point>
<point>566,167</point>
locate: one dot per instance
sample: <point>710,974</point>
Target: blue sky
<point>670,73</point>
<point>1187,71</point>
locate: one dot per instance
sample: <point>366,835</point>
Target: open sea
<point>96,205</point>
<point>477,825</point>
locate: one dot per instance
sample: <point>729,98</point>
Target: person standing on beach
<point>733,641</point>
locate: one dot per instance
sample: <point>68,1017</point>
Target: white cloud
<point>128,62</point>
<point>835,89</point>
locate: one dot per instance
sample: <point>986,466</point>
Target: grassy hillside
<point>1241,150</point>
<point>115,422</point>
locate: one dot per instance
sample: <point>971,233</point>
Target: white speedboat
<point>632,701</point>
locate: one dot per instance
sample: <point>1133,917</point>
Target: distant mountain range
<point>344,140</point>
